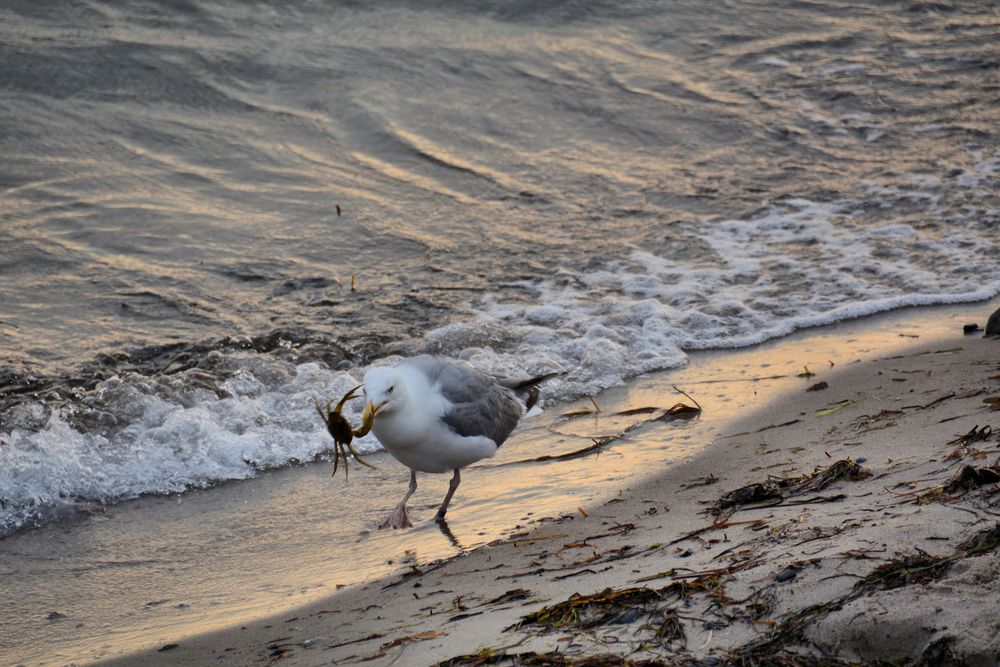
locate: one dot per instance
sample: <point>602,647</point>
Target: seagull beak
<point>370,411</point>
<point>368,418</point>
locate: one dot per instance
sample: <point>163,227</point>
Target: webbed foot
<point>397,519</point>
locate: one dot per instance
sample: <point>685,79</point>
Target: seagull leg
<point>398,518</point>
<point>455,481</point>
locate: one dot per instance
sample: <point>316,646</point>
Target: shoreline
<point>748,571</point>
<point>167,569</point>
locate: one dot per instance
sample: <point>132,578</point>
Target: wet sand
<point>865,548</point>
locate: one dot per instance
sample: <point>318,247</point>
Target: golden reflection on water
<point>410,177</point>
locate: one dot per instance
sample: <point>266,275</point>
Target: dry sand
<point>887,561</point>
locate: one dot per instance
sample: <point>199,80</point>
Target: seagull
<point>435,414</point>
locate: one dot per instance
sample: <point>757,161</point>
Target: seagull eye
<point>389,391</point>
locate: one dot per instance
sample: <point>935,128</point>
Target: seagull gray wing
<point>479,405</point>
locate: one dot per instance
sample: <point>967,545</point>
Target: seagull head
<point>385,391</point>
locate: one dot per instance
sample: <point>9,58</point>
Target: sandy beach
<point>848,518</point>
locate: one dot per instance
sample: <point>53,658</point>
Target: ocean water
<point>215,212</point>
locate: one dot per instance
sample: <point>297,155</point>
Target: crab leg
<point>338,453</point>
<point>319,409</point>
<point>357,457</point>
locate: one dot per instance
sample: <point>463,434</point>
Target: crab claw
<point>368,418</point>
<point>353,393</point>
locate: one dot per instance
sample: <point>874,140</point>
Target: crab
<point>343,434</point>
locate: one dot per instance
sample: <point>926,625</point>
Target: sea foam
<point>173,440</point>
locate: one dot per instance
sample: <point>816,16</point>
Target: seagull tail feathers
<point>527,390</point>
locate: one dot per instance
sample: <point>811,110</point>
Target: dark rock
<point>167,647</point>
<point>971,328</point>
<point>787,574</point>
<point>993,324</point>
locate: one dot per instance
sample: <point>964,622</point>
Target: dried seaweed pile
<point>779,489</point>
<point>969,477</point>
<point>679,411</point>
<point>533,659</point>
<point>582,612</point>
